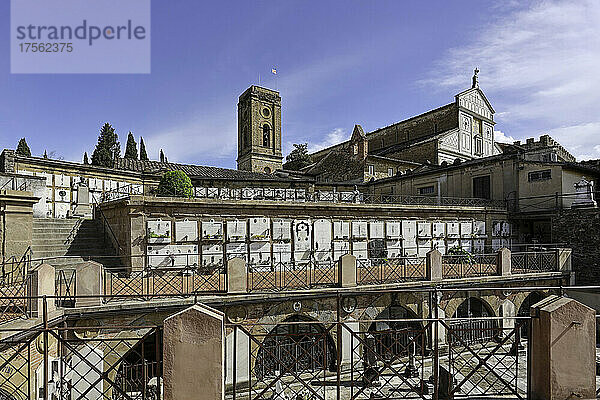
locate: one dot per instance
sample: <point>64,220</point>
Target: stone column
<point>504,262</point>
<point>434,266</point>
<point>89,281</point>
<point>237,276</point>
<point>42,283</point>
<point>193,354</point>
<point>563,350</point>
<point>347,271</point>
<point>563,259</point>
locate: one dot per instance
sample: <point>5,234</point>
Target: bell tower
<point>259,130</point>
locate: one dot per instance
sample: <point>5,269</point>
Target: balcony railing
<point>534,262</point>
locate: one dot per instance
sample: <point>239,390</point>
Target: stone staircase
<point>64,243</point>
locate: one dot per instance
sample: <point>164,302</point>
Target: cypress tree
<point>23,148</point>
<point>108,148</point>
<point>85,158</point>
<point>45,154</point>
<point>131,148</point>
<point>143,154</point>
<point>162,156</point>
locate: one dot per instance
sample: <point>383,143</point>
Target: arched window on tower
<point>266,135</point>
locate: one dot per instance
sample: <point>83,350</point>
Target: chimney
<point>530,140</point>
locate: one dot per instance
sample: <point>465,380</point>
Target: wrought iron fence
<point>534,262</point>
<point>112,362</point>
<point>431,200</point>
<point>469,265</point>
<point>65,288</point>
<point>374,271</point>
<point>151,283</point>
<point>386,359</point>
<point>286,274</point>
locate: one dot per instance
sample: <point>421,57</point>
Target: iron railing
<point>534,262</point>
<point>156,283</point>
<point>469,265</point>
<point>375,271</point>
<point>284,274</point>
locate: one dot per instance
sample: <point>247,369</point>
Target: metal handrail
<point>106,224</point>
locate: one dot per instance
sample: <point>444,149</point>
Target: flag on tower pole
<point>273,71</point>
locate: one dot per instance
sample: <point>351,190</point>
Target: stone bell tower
<point>259,130</point>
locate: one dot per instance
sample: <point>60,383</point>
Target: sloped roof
<point>194,171</point>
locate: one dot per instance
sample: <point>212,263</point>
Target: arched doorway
<point>524,311</point>
<point>393,338</point>
<point>5,395</point>
<point>140,371</point>
<point>295,346</point>
<point>476,328</point>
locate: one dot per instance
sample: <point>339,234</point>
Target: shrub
<point>175,184</point>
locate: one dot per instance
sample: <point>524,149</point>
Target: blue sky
<point>339,63</point>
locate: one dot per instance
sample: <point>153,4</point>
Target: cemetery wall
<point>206,231</point>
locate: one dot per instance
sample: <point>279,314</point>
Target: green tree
<point>23,148</point>
<point>175,184</point>
<point>131,148</point>
<point>85,158</point>
<point>143,154</point>
<point>45,154</point>
<point>108,148</point>
<point>161,156</point>
<point>298,158</point>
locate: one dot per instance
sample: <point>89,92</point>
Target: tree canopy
<point>108,148</point>
<point>131,148</point>
<point>85,158</point>
<point>298,158</point>
<point>23,148</point>
<point>143,154</point>
<point>175,184</point>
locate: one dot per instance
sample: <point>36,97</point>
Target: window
<point>371,169</point>
<point>266,135</point>
<point>426,190</point>
<point>355,148</point>
<point>537,176</point>
<point>479,145</point>
<point>390,171</point>
<point>481,187</point>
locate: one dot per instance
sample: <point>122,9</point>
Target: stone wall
<point>16,222</point>
<point>580,229</point>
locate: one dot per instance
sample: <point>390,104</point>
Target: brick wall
<point>580,229</point>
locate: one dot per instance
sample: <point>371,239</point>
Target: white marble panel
<point>282,252</point>
<point>424,229</point>
<point>212,230</point>
<point>424,247</point>
<point>479,228</point>
<point>236,250</point>
<point>376,230</point>
<point>158,231</point>
<point>359,250</point>
<point>186,231</point>
<point>302,239</point>
<point>452,243</point>
<point>466,229</point>
<point>322,238</point>
<point>479,246</point>
<point>439,229</point>
<point>506,228</point>
<point>237,230</point>
<point>497,228</point>
<point>496,244</point>
<point>467,245</point>
<point>393,229</point>
<point>200,192</point>
<point>341,230</point>
<point>340,249</point>
<point>439,245</point>
<point>61,210</point>
<point>282,229</point>
<point>260,228</point>
<point>62,195</point>
<point>394,248</point>
<point>409,230</point>
<point>453,229</point>
<point>212,255</point>
<point>260,253</point>
<point>359,230</point>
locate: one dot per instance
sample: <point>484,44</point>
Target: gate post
<point>347,271</point>
<point>237,276</point>
<point>562,350</point>
<point>193,354</point>
<point>42,282</point>
<point>89,281</point>
<point>434,269</point>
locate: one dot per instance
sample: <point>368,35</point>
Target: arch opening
<point>475,329</point>
<point>393,338</point>
<point>295,346</point>
<point>524,310</point>
<point>266,135</point>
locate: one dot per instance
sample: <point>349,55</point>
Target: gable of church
<point>475,101</point>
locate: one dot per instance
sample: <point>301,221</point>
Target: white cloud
<point>208,135</point>
<point>539,67</point>
<point>500,137</point>
<point>336,136</point>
